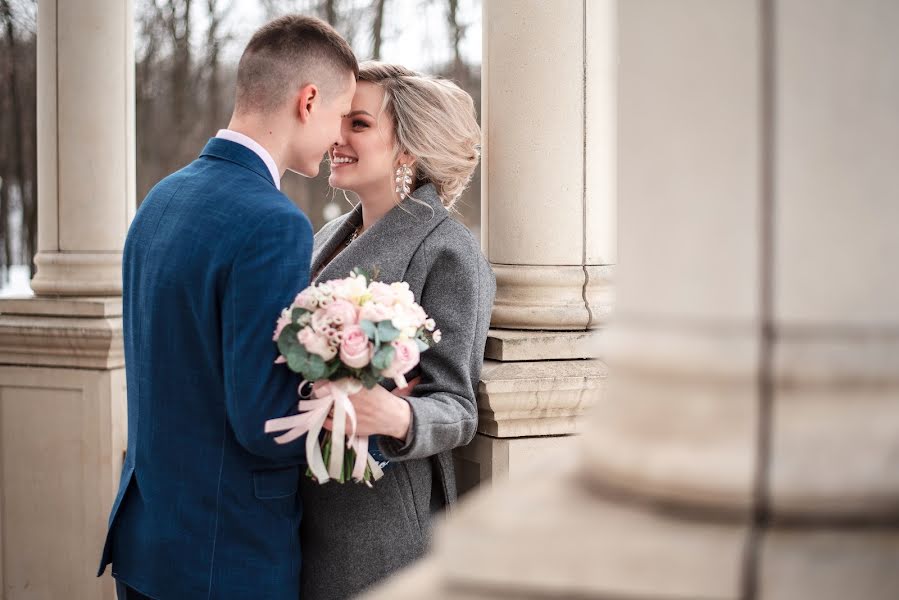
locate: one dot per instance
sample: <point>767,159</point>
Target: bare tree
<point>215,40</point>
<point>377,29</point>
<point>21,162</point>
<point>177,20</point>
<point>456,33</point>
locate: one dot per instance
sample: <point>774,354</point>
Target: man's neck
<point>264,134</point>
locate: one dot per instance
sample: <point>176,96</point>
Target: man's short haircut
<point>286,54</point>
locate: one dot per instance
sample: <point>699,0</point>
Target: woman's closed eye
<point>359,124</point>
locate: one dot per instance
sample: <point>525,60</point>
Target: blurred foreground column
<point>749,445</point>
<point>62,381</point>
<point>548,217</point>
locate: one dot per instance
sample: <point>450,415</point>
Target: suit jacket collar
<point>239,155</point>
<point>385,247</point>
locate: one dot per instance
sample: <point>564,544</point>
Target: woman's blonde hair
<point>434,121</point>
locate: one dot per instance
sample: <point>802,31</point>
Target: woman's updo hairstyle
<point>434,121</point>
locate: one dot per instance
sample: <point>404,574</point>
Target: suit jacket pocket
<point>276,483</point>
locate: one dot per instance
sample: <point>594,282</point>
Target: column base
<point>521,399</point>
<point>552,297</point>
<point>77,274</point>
<point>63,421</point>
<point>84,333</point>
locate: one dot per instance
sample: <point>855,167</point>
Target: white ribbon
<point>310,421</point>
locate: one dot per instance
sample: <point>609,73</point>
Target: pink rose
<point>306,299</point>
<point>316,344</point>
<point>283,321</point>
<point>405,357</point>
<point>374,312</point>
<point>341,312</point>
<point>355,349</point>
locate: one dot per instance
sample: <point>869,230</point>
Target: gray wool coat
<point>353,536</point>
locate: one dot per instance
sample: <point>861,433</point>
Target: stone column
<point>85,146</point>
<point>62,378</point>
<point>548,214</point>
<point>748,446</point>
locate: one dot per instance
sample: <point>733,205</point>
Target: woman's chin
<point>336,181</point>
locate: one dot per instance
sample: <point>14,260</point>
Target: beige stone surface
<point>516,345</point>
<point>110,306</point>
<point>489,460</point>
<point>534,219</point>
<point>85,144</point>
<point>829,564</point>
<point>537,398</point>
<point>688,152</point>
<point>835,453</point>
<point>837,149</point>
<point>62,434</point>
<point>600,167</point>
<point>687,440</point>
<point>92,343</point>
<point>551,537</point>
<point>77,274</point>
<point>835,427</point>
<point>541,297</point>
<point>676,347</point>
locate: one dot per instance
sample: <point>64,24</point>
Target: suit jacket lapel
<point>388,245</point>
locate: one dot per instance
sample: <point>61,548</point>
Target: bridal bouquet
<point>345,334</point>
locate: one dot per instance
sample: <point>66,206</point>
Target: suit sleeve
<point>270,268</point>
<point>458,294</point>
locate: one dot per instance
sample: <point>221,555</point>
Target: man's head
<point>297,74</point>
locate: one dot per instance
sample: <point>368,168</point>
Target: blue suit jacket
<point>207,505</point>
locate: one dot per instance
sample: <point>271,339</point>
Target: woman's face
<point>364,163</point>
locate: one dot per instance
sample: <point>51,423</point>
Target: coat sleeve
<point>270,268</point>
<point>458,294</point>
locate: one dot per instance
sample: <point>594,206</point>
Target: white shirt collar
<point>243,140</point>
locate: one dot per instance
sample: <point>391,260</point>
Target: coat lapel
<point>327,242</point>
<point>388,245</point>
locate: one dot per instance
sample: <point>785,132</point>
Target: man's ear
<point>308,99</point>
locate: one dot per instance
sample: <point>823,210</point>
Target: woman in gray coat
<point>409,147</point>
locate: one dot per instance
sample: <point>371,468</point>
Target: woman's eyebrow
<point>358,112</point>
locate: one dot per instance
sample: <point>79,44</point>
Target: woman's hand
<point>379,412</point>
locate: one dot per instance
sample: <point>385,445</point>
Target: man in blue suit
<point>207,506</point>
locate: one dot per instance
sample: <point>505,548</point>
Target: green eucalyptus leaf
<point>287,339</point>
<point>315,368</point>
<point>370,329</point>
<point>422,345</point>
<point>297,359</point>
<point>383,357</point>
<point>368,379</point>
<point>387,332</point>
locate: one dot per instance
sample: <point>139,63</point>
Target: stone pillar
<point>62,378</point>
<point>85,146</point>
<point>548,214</point>
<point>748,446</point>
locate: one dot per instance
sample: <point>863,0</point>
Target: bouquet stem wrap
<point>328,395</point>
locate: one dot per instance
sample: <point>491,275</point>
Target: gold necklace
<point>352,238</point>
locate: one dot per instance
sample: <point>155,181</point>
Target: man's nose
<point>340,138</point>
